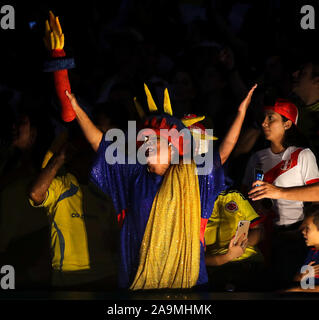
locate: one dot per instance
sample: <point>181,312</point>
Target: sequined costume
<point>135,192</point>
<point>133,189</point>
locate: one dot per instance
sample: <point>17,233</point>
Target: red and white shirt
<point>293,167</point>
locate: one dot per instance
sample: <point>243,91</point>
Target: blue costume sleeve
<point>112,179</point>
<point>210,185</point>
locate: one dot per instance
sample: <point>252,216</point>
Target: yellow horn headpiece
<point>189,122</point>
<point>150,102</point>
<point>167,103</point>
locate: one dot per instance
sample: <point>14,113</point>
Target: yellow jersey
<point>230,207</point>
<point>83,228</point>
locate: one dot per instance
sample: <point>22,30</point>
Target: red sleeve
<point>61,83</point>
<point>312,181</point>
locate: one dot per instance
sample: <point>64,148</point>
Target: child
<point>310,232</point>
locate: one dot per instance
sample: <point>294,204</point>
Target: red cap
<point>285,108</point>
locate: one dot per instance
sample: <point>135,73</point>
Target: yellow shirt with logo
<point>230,208</point>
<point>83,228</point>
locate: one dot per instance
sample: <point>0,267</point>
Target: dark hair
<point>293,137</point>
<point>313,211</point>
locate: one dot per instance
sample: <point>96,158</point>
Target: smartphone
<point>259,175</point>
<point>242,228</point>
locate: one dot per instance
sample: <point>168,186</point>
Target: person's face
<point>303,83</point>
<point>273,126</point>
<point>158,154</point>
<point>310,232</point>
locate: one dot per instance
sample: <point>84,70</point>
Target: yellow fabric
<point>222,224</point>
<point>77,217</point>
<point>170,250</point>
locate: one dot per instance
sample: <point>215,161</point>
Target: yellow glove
<point>54,38</point>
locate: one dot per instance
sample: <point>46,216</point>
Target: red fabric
<point>58,53</point>
<point>280,168</point>
<point>121,217</point>
<point>255,223</point>
<point>312,181</point>
<point>203,223</point>
<point>62,83</point>
<point>286,109</point>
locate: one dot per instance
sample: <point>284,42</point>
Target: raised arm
<point>232,135</point>
<point>54,41</point>
<point>39,188</point>
<point>90,131</point>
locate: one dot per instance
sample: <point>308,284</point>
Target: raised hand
<point>232,135</point>
<point>246,102</point>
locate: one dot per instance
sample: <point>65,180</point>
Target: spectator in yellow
<point>83,227</point>
<point>233,265</point>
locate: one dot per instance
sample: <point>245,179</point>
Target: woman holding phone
<point>286,163</point>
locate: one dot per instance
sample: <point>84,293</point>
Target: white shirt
<point>293,167</point>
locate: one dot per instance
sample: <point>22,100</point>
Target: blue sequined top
<point>133,189</point>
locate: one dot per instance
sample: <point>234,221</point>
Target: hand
<point>304,276</point>
<point>226,57</point>
<point>246,102</point>
<point>68,152</point>
<point>315,267</point>
<point>72,99</point>
<point>237,250</point>
<point>54,38</point>
<point>264,190</point>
